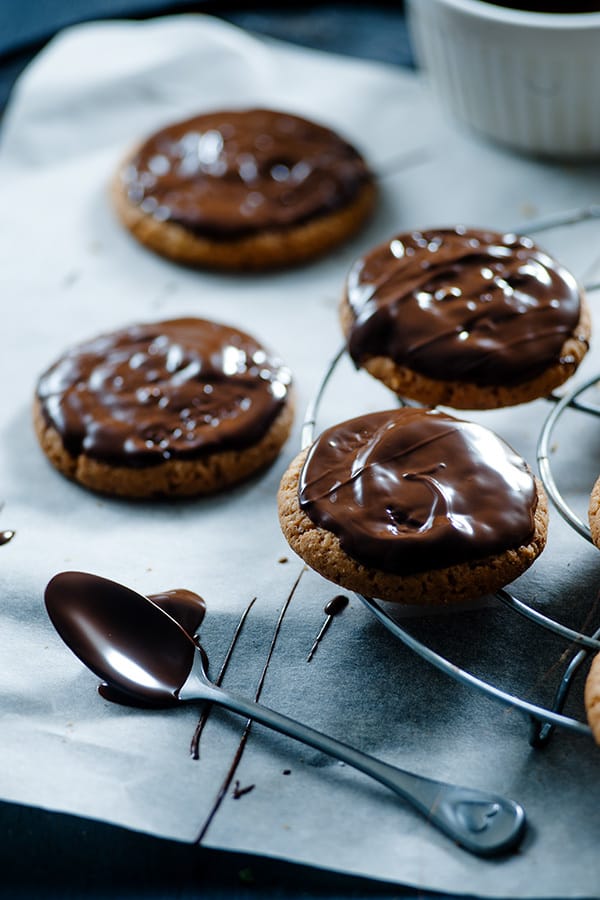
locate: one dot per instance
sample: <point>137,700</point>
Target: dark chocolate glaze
<point>411,490</point>
<point>185,607</point>
<point>463,305</point>
<point>6,536</point>
<point>121,637</point>
<point>179,389</point>
<point>336,605</point>
<point>230,174</point>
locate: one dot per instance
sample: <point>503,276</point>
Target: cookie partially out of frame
<point>592,697</point>
<point>173,408</point>
<point>245,189</point>
<point>594,513</point>
<point>465,318</point>
<point>413,506</point>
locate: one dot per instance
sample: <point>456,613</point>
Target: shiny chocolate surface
<point>336,605</point>
<point>188,609</point>
<point>459,304</point>
<point>168,390</point>
<point>120,636</point>
<point>229,174</point>
<point>410,490</point>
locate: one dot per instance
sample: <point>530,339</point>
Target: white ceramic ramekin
<point>529,80</point>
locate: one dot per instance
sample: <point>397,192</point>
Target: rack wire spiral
<point>543,719</point>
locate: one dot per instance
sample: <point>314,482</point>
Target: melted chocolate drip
<point>226,175</point>
<point>246,733</point>
<point>240,791</point>
<point>336,605</point>
<point>121,698</point>
<point>332,608</point>
<point>195,741</point>
<point>120,636</point>
<point>179,389</point>
<point>6,536</point>
<point>411,490</point>
<point>464,305</point>
<point>185,607</point>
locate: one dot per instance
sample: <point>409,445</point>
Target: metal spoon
<point>134,645</point>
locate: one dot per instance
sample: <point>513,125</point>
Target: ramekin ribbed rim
<point>482,9</point>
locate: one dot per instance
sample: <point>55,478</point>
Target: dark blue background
<point>375,31</point>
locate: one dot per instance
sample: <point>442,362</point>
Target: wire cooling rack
<point>543,719</point>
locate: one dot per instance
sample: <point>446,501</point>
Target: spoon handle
<point>483,823</point>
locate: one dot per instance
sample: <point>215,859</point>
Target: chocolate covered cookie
<point>182,407</point>
<point>245,189</point>
<point>594,513</point>
<point>465,318</point>
<point>592,697</point>
<point>413,506</point>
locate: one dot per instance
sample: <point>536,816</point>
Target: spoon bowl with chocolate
<point>137,647</point>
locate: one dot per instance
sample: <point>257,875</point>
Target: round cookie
<point>594,513</point>
<point>592,697</point>
<point>181,407</point>
<point>465,318</point>
<point>413,506</point>
<point>243,189</point>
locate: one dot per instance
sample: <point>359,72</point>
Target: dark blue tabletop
<point>371,31</point>
<point>49,855</point>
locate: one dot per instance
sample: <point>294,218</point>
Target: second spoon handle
<point>481,822</point>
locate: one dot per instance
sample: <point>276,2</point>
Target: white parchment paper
<point>70,272</point>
